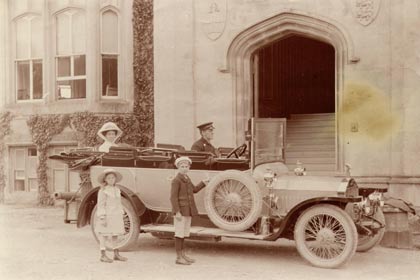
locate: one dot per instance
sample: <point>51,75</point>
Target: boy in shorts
<point>183,207</point>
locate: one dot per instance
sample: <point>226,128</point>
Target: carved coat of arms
<point>212,17</point>
<point>365,11</point>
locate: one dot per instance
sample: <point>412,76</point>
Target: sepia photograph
<point>209,139</point>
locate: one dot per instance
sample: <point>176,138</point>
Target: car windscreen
<point>268,135</point>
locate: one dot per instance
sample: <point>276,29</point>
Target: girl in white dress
<point>110,213</point>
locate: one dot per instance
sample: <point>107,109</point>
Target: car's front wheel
<point>325,236</point>
<point>131,225</point>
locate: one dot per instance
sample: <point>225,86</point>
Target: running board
<point>204,232</point>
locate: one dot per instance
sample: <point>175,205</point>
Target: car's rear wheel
<point>366,242</point>
<point>325,236</point>
<point>233,200</point>
<point>131,225</point>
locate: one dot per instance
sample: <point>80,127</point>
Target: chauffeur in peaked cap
<point>203,144</point>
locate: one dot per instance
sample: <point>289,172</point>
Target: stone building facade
<point>345,75</point>
<point>61,57</point>
<point>356,61</point>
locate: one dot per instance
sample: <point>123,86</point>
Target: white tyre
<point>325,236</point>
<point>233,200</point>
<point>131,225</point>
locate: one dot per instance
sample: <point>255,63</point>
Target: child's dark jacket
<point>182,195</point>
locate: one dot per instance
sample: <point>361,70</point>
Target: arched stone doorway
<point>241,63</point>
<point>294,78</point>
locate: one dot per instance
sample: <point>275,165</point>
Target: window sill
<point>113,101</point>
<point>29,101</point>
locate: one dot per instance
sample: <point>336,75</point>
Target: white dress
<point>110,205</point>
<point>106,145</point>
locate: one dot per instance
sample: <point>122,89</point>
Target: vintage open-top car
<point>251,195</point>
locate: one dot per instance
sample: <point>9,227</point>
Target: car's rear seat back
<point>165,158</point>
<point>120,157</point>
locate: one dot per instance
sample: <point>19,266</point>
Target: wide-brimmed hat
<point>205,126</point>
<point>101,177</point>
<point>107,127</point>
<point>182,159</point>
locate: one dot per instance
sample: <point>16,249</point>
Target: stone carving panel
<point>365,11</point>
<point>212,16</point>
<point>105,3</point>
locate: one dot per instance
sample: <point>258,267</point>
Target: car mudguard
<point>294,213</point>
<point>89,201</point>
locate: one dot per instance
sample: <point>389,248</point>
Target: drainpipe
<point>193,68</point>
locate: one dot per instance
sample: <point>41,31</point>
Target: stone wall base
<point>397,230</point>
<point>398,239</point>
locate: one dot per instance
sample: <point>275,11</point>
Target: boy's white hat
<point>182,159</point>
<point>101,177</point>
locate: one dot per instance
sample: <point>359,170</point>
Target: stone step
<point>311,135</point>
<point>330,173</point>
<point>325,116</point>
<point>310,154</point>
<point>311,141</point>
<point>310,123</point>
<point>306,160</point>
<point>298,147</point>
<point>315,167</point>
<point>309,129</point>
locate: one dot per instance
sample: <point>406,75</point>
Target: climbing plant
<point>138,126</point>
<point>87,124</point>
<point>5,118</point>
<point>143,68</point>
<point>43,128</point>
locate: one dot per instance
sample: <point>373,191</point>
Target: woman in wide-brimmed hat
<point>110,133</point>
<point>110,213</point>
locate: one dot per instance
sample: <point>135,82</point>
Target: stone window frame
<point>103,54</point>
<point>239,62</point>
<point>72,55</point>
<point>29,59</point>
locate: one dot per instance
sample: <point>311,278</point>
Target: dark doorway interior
<point>295,75</point>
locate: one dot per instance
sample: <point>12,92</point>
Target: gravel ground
<point>36,244</point>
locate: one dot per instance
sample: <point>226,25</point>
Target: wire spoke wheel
<point>325,236</point>
<point>122,239</point>
<point>131,227</point>
<point>233,200</point>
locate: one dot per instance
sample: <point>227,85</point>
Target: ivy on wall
<point>43,128</point>
<point>143,67</point>
<point>5,119</point>
<point>87,125</point>
<point>138,126</point>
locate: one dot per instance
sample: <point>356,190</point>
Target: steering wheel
<point>239,151</point>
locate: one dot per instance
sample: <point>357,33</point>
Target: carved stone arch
<point>239,57</point>
<point>26,14</point>
<point>109,3</point>
<point>113,9</point>
<point>68,8</point>
<point>110,8</point>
